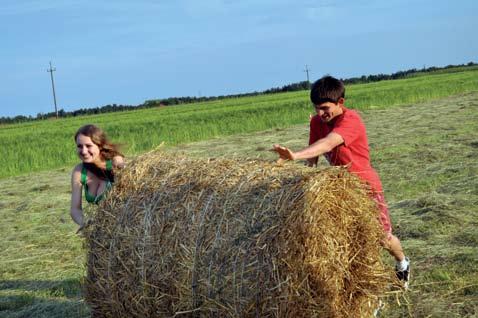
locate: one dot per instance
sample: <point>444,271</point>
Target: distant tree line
<point>171,101</point>
<point>401,74</point>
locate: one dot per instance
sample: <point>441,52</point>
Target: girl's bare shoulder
<point>76,172</point>
<point>77,168</point>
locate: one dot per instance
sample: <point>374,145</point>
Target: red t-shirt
<point>354,152</point>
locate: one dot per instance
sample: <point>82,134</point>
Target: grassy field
<point>46,145</point>
<point>425,153</point>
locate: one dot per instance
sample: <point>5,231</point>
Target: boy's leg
<point>402,265</point>
<point>394,247</point>
<point>391,243</point>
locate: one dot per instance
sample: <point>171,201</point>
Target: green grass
<point>426,156</point>
<point>41,257</point>
<point>45,145</point>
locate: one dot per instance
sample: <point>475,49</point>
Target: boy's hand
<point>284,153</point>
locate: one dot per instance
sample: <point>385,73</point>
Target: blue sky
<point>126,52</point>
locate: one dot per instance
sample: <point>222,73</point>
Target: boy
<point>339,134</point>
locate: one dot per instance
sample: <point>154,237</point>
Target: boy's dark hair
<point>327,89</point>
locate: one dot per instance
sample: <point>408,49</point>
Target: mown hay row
<point>223,238</point>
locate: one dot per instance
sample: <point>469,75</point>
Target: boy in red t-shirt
<point>339,134</point>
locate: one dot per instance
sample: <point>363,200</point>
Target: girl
<point>100,159</point>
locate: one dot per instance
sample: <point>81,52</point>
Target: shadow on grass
<point>69,288</point>
<point>20,307</point>
<point>42,298</point>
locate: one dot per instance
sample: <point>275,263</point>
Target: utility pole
<point>307,72</point>
<point>51,70</point>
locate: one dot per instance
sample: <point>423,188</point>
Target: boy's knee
<point>386,241</point>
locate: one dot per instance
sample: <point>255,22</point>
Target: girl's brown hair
<point>108,150</point>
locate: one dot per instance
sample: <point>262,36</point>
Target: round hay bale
<point>181,237</point>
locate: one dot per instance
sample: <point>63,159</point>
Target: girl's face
<point>87,150</point>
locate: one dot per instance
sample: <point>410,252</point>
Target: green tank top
<point>90,197</point>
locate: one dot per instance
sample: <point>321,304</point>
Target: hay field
<point>46,145</point>
<point>425,153</point>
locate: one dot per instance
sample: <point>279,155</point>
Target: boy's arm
<point>316,149</point>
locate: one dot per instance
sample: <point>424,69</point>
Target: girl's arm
<point>76,210</point>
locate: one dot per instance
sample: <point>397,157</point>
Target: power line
<point>51,70</point>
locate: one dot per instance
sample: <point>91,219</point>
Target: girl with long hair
<point>95,174</point>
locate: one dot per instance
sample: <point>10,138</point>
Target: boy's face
<point>328,111</point>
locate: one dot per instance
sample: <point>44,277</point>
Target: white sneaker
<point>403,275</point>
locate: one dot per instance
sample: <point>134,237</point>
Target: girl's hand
<point>80,229</point>
<point>83,226</point>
